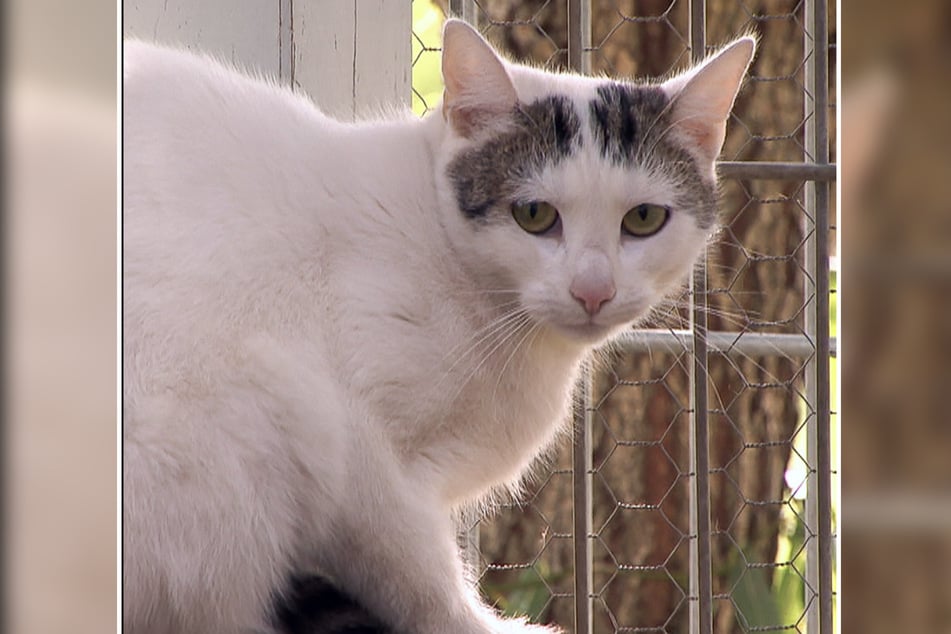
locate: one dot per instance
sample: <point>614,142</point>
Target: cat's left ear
<point>479,90</point>
<point>703,97</point>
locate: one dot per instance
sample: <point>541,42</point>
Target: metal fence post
<point>701,577</point>
<point>818,432</point>
<point>579,41</point>
<point>582,509</point>
<point>823,383</point>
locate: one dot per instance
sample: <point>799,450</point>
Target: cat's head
<point>583,201</point>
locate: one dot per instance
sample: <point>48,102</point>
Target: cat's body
<point>335,334</point>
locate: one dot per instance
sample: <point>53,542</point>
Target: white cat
<point>335,334</point>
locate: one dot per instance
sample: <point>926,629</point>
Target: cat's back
<point>144,64</point>
<point>159,79</point>
<point>172,94</point>
<point>209,119</point>
<point>219,169</point>
<point>247,213</point>
<point>218,164</point>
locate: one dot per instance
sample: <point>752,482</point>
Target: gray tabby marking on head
<point>621,116</point>
<point>544,132</point>
<point>631,124</point>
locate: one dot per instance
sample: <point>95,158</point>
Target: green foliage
<point>789,590</point>
<point>527,596</point>
<point>774,596</point>
<point>756,604</point>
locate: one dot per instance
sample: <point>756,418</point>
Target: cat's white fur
<point>315,370</point>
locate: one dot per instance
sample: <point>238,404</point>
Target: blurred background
<point>60,308</point>
<point>896,311</point>
<point>59,339</point>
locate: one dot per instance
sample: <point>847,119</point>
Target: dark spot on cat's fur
<point>542,133</point>
<point>621,115</point>
<point>311,605</point>
<point>631,125</point>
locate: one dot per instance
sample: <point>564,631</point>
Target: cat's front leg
<point>395,552</point>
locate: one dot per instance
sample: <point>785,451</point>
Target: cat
<point>336,335</point>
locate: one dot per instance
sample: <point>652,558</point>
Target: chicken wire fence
<point>697,494</point>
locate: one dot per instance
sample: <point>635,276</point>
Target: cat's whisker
<point>513,329</point>
<point>534,326</point>
<point>683,361</point>
<point>740,319</point>
<point>662,311</point>
<point>488,332</point>
<point>484,291</point>
<point>486,335</point>
<point>528,116</point>
<point>660,137</point>
<point>509,309</point>
<point>647,134</point>
<point>737,351</point>
<point>493,334</point>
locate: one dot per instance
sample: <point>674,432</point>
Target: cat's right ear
<point>703,97</point>
<point>478,90</point>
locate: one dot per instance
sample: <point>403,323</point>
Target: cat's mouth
<point>589,332</point>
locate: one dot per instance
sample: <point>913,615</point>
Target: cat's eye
<point>535,217</point>
<point>645,220</point>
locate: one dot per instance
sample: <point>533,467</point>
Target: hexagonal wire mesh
<point>665,516</point>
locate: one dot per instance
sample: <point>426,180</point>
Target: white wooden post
<point>246,33</point>
<point>351,56</point>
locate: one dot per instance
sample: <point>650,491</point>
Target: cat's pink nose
<point>592,292</point>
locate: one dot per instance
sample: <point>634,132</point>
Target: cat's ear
<point>478,88</point>
<point>703,96</point>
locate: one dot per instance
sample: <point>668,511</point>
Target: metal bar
<point>823,410</point>
<point>753,344</point>
<point>698,30</point>
<point>579,36</point>
<point>579,41</point>
<point>693,587</point>
<point>583,509</point>
<point>776,170</point>
<point>698,380</point>
<point>701,620</point>
<point>818,488</point>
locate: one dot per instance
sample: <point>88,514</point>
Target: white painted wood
<point>323,52</point>
<point>245,32</point>
<point>351,56</point>
<point>382,65</point>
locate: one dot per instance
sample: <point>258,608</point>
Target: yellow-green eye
<point>645,220</point>
<point>535,217</point>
